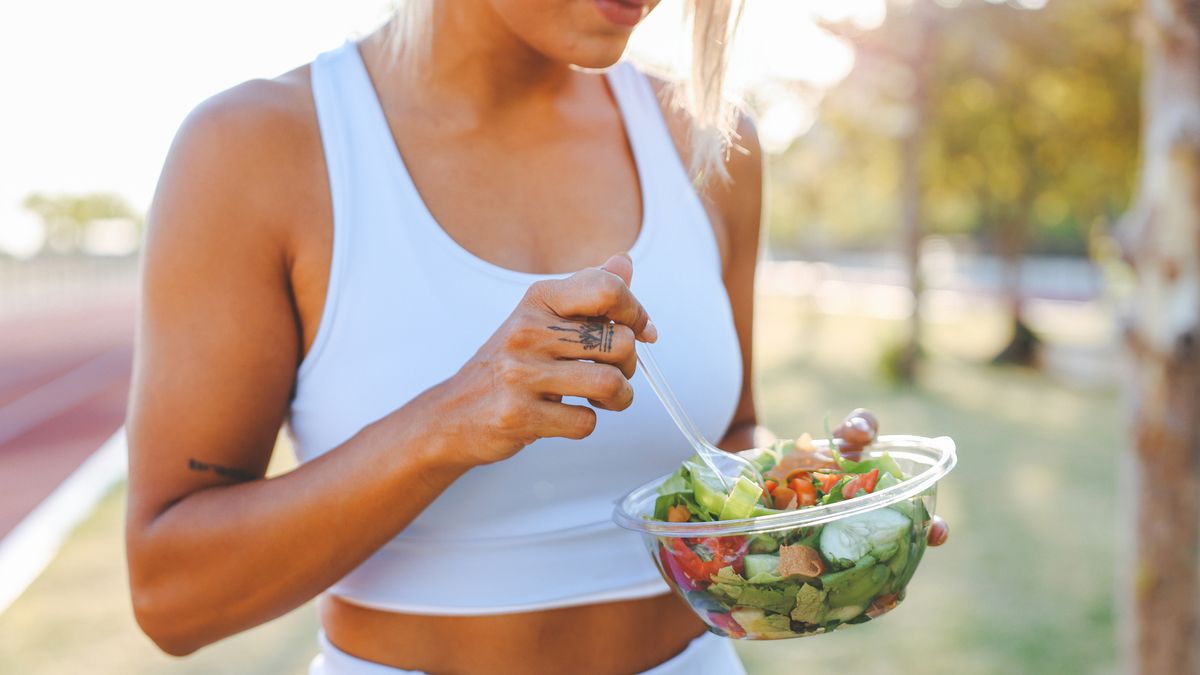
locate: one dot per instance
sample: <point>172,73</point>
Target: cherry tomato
<point>806,492</point>
<point>828,480</point>
<point>783,496</point>
<point>863,481</point>
<point>700,558</point>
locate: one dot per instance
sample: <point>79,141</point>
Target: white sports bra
<point>533,531</point>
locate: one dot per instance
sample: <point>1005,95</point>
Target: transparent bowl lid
<point>926,460</point>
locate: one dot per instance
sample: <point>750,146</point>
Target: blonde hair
<point>713,119</point>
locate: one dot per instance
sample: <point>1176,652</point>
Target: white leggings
<point>706,655</point>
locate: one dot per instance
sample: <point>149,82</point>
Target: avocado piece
<point>899,561</point>
<point>761,563</point>
<point>763,543</point>
<point>856,585</point>
<point>916,551</point>
<point>742,500</point>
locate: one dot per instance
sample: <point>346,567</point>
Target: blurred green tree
<point>65,217</point>
<point>1025,125</point>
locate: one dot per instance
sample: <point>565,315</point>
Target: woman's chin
<point>599,55</point>
<point>596,64</point>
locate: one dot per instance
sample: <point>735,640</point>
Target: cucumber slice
<point>759,563</point>
<point>742,500</point>
<point>706,487</point>
<point>878,532</point>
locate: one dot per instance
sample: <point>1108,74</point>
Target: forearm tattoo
<point>223,471</point>
<point>592,335</point>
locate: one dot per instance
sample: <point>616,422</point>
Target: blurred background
<point>944,177</point>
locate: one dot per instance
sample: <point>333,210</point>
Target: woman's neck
<point>475,62</point>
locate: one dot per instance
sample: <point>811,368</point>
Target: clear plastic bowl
<point>716,567</point>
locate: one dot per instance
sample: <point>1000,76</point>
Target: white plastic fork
<point>726,465</point>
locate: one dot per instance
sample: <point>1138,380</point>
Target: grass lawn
<point>1026,584</point>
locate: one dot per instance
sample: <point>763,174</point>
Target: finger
<point>564,420</point>
<point>604,386</point>
<point>597,340</point>
<point>939,531</point>
<point>595,293</point>
<point>621,265</point>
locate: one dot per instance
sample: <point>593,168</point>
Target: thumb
<point>621,265</point>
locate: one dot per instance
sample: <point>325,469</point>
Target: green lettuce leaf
<point>770,598</point>
<point>884,463</point>
<point>665,502</point>
<point>810,605</point>
<point>764,578</point>
<point>726,575</point>
<point>679,481</point>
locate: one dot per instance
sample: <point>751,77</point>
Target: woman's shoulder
<point>737,202</point>
<point>275,117</point>
<point>241,157</point>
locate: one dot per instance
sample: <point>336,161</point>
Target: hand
<point>568,337</point>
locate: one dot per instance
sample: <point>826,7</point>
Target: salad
<point>797,580</point>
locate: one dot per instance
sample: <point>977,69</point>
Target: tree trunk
<point>921,59</point>
<point>1023,346</point>
<point>1161,236</point>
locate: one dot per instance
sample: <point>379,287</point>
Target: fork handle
<point>659,384</point>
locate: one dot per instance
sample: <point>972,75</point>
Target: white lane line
<point>32,544</point>
<point>58,395</point>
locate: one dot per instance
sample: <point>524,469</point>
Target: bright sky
<point>94,91</point>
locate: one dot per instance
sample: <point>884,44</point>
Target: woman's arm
<point>737,205</point>
<point>213,547</point>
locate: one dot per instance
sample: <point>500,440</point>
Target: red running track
<point>64,380</point>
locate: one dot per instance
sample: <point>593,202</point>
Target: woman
<point>373,249</point>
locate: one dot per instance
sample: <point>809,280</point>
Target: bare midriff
<point>622,637</point>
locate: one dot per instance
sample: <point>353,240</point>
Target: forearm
<point>744,435</point>
<point>227,558</point>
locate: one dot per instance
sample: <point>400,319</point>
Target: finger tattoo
<point>592,335</point>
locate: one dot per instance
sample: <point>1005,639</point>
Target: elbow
<point>162,599</point>
<point>162,621</point>
<point>164,604</point>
